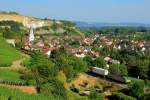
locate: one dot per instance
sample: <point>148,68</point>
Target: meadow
<point>9,75</point>
<point>8,54</point>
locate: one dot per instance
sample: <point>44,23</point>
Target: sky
<point>82,10</point>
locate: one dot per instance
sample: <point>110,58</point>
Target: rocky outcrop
<point>37,23</point>
<point>25,20</point>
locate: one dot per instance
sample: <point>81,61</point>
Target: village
<point>49,43</point>
<point>81,63</point>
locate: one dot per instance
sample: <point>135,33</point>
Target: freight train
<point>105,72</point>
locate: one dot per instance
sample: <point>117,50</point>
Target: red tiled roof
<point>45,50</point>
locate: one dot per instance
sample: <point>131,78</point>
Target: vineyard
<point>15,94</point>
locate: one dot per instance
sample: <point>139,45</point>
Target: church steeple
<point>31,35</point>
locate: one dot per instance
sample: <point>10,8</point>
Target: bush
<point>12,29</point>
<point>146,97</point>
<point>121,96</point>
<point>99,62</point>
<point>95,95</point>
<point>56,88</point>
<point>137,89</point>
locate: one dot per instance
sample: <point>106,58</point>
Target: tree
<point>88,60</point>
<point>121,96</point>
<point>143,68</point>
<point>114,69</point>
<point>54,26</point>
<point>95,96</point>
<point>41,68</point>
<point>19,45</point>
<point>123,70</point>
<point>70,72</point>
<point>11,29</point>
<point>146,97</point>
<point>114,53</point>
<point>75,44</point>
<point>56,88</point>
<point>117,69</point>
<point>105,50</point>
<point>70,64</point>
<point>149,72</point>
<point>137,89</point>
<point>140,67</point>
<point>78,64</point>
<point>99,62</point>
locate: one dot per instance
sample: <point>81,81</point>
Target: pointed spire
<point>31,35</point>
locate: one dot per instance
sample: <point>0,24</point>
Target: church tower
<point>31,35</point>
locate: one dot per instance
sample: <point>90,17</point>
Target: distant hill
<point>25,20</point>
<point>43,26</point>
<point>98,24</point>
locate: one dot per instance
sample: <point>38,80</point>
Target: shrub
<point>121,96</point>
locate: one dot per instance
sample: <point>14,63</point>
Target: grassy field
<point>7,53</point>
<point>15,94</point>
<point>138,80</point>
<point>9,75</point>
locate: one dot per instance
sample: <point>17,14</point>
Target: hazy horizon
<point>112,11</point>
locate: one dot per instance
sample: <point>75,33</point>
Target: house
<point>115,62</point>
<point>85,93</point>
<point>82,55</point>
<point>114,47</point>
<point>96,36</point>
<point>119,47</point>
<point>107,59</point>
<point>112,61</point>
<point>40,44</point>
<point>143,49</point>
<point>106,41</point>
<point>95,54</point>
<point>109,43</point>
<point>88,40</point>
<point>46,51</point>
<point>25,41</point>
<point>100,46</point>
<point>11,41</point>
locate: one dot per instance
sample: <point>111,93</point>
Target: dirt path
<point>17,63</point>
<point>26,89</point>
